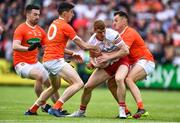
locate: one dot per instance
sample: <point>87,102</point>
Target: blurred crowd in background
<point>158,22</point>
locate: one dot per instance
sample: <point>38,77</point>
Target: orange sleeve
<point>18,34</point>
<point>69,31</point>
<point>129,38</point>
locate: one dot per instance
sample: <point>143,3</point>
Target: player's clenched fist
<point>33,46</point>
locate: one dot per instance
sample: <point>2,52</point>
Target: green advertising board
<point>165,76</point>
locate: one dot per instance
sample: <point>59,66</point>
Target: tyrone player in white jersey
<point>108,40</point>
<point>107,44</point>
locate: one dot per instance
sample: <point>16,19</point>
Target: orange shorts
<point>111,69</point>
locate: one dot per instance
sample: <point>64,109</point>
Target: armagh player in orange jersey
<point>28,36</point>
<point>141,60</point>
<point>58,35</point>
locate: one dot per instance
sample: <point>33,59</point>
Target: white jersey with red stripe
<point>110,43</point>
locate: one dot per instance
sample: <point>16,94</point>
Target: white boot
<point>122,113</point>
<point>79,113</point>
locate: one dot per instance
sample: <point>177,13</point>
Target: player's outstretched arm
<point>85,46</point>
<point>75,55</point>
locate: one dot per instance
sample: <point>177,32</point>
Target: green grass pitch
<point>163,106</point>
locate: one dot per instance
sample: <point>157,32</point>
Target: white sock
<point>122,112</point>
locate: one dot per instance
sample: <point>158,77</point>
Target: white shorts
<point>147,65</point>
<point>23,69</point>
<point>54,66</point>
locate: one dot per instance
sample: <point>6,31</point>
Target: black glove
<point>39,45</point>
<point>33,46</point>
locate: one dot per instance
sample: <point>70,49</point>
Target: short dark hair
<point>99,24</point>
<point>65,6</point>
<point>31,7</point>
<point>122,14</point>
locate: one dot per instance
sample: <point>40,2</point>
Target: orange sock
<point>126,109</point>
<point>58,105</point>
<point>140,105</point>
<point>34,108</point>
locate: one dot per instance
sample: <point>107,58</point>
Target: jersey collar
<point>61,18</point>
<point>33,27</point>
<point>124,30</point>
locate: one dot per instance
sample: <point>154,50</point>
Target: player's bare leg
<point>99,76</point>
<point>112,86</point>
<point>71,76</point>
<point>40,82</point>
<point>56,95</point>
<point>45,95</point>
<point>55,85</point>
<point>38,76</point>
<point>53,92</point>
<point>121,89</point>
<point>136,73</point>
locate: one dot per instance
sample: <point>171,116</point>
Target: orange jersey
<point>58,35</point>
<point>138,49</point>
<point>28,35</point>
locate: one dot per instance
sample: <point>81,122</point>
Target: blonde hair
<point>99,24</point>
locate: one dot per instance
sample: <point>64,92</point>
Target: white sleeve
<point>112,34</point>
